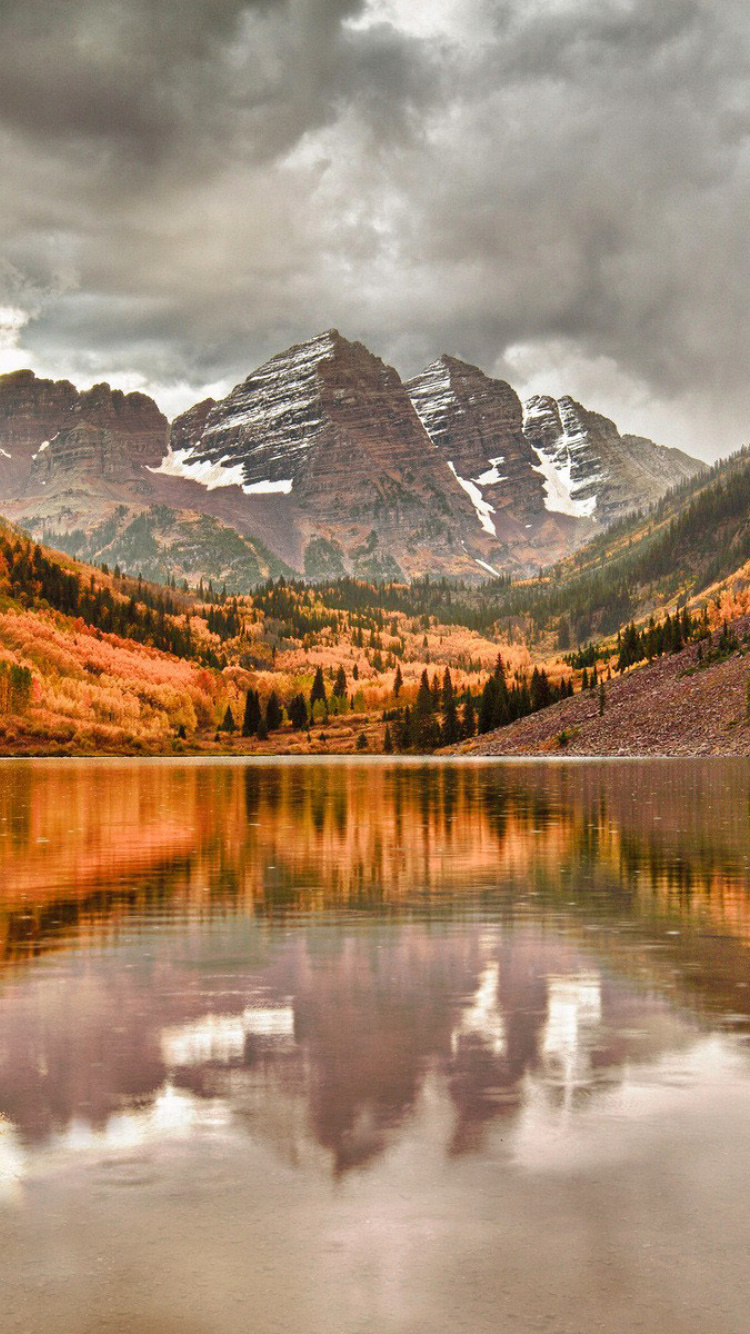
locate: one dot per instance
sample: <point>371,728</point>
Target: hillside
<point>694,702</point>
<point>682,550</point>
<point>92,661</point>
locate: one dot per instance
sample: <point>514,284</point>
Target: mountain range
<point>323,462</point>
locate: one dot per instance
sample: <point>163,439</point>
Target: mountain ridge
<point>333,464</point>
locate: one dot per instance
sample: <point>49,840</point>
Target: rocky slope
<point>672,707</point>
<point>546,475</point>
<point>590,469</point>
<point>331,427</point>
<point>49,432</point>
<point>477,425</point>
<point>323,462</point>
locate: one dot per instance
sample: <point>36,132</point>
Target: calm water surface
<point>374,1048</point>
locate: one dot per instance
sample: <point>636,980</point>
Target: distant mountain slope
<point>591,469</point>
<point>696,536</point>
<point>324,463</point>
<point>549,474</point>
<point>47,427</point>
<point>476,423</point>
<point>331,427</point>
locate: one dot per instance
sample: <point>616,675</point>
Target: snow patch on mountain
<point>281,487</point>
<point>559,487</point>
<point>492,476</point>
<point>485,566</point>
<point>483,508</point>
<point>182,463</point>
<point>562,446</point>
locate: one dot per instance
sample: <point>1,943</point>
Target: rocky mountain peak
<point>590,470</point>
<point>35,412</point>
<point>325,457</point>
<point>330,425</point>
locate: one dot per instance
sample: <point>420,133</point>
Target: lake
<point>374,1047</point>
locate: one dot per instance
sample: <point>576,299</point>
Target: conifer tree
<point>468,717</point>
<point>273,712</point>
<point>298,711</point>
<point>398,681</point>
<point>339,687</point>
<point>450,731</point>
<point>228,724</point>
<point>318,692</point>
<point>488,706</point>
<point>252,713</point>
<point>406,736</point>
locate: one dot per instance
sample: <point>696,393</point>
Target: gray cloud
<point>556,189</point>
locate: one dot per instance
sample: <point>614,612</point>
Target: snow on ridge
<point>492,476</point>
<point>486,566</point>
<point>178,463</point>
<point>559,487</point>
<point>432,395</point>
<point>483,508</point>
<point>287,386</point>
<point>6,455</point>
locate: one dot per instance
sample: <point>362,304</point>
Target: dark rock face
<point>476,423</point>
<point>45,428</point>
<point>330,426</point>
<point>325,462</point>
<point>605,474</point>
<point>188,428</point>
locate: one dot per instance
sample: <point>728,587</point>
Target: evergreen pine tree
<point>228,725</point>
<point>252,713</point>
<point>405,736</point>
<point>339,687</point>
<point>468,717</point>
<point>273,712</point>
<point>451,731</point>
<point>298,711</point>
<point>488,706</point>
<point>398,681</point>
<point>318,692</point>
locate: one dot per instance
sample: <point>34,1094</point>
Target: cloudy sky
<point>557,190</point>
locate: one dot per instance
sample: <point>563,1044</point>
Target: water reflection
<point>333,965</point>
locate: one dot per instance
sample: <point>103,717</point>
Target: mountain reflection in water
<point>319,962</point>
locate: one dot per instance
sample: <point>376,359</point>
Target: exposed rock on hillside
<point>332,427</point>
<point>672,707</point>
<point>476,423</point>
<point>326,462</point>
<point>101,428</point>
<point>590,469</point>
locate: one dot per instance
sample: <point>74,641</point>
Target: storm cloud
<point>557,190</point>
